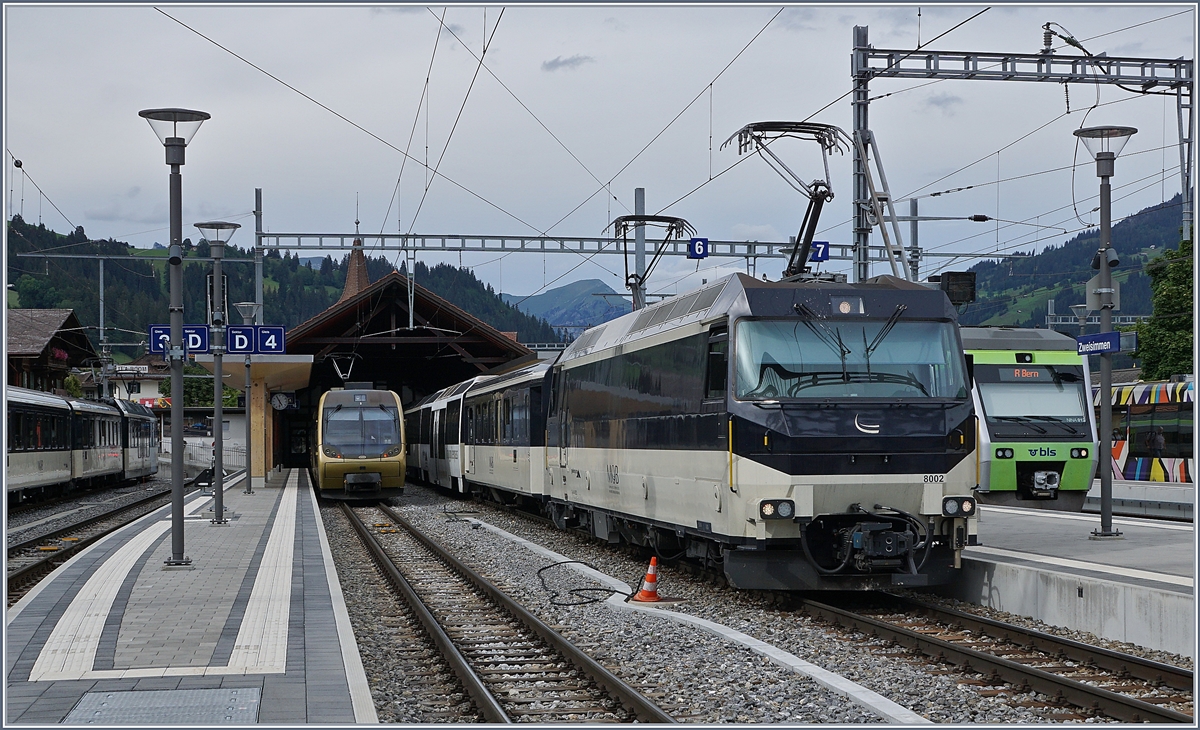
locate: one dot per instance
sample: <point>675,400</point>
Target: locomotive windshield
<point>813,358</point>
<point>1033,400</point>
<point>361,431</point>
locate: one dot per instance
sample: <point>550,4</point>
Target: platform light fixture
<point>248,310</point>
<point>1104,144</point>
<point>217,233</point>
<point>175,128</point>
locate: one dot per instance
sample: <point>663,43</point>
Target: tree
<point>1165,342</point>
<point>198,391</point>
<point>73,386</point>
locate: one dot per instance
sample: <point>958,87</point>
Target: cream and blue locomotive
<point>815,435</point>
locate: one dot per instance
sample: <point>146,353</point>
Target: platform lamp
<point>1081,313</point>
<point>217,233</point>
<point>1104,144</point>
<point>175,128</point>
<point>248,310</point>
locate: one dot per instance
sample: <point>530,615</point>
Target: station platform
<point>255,630</point>
<point>1169,500</point>
<point>1046,564</point>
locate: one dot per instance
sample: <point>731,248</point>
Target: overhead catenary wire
<point>356,125</point>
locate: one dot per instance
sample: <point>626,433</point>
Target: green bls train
<point>1037,440</point>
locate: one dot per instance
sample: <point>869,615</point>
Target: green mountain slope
<point>136,292</point>
<point>1015,291</point>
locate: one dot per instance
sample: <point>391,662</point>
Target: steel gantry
<point>1148,75</point>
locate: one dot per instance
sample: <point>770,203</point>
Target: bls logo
<point>1043,452</point>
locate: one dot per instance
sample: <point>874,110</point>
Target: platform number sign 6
<point>697,248</point>
<point>820,251</point>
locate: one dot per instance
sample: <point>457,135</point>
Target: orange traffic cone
<point>649,591</point>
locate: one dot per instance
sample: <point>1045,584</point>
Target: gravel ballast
<point>702,678</point>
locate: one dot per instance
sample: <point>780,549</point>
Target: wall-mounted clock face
<point>280,401</point>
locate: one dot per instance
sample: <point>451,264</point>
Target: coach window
<point>718,363</point>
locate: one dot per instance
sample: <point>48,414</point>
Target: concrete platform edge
<point>356,675</point>
<point>1149,617</point>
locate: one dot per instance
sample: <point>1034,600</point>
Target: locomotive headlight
<point>776,509</point>
<point>331,452</point>
<point>1079,453</point>
<point>958,506</point>
<point>394,451</point>
<point>1004,453</point>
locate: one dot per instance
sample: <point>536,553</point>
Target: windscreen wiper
<point>1052,419</point>
<point>831,341</point>
<point>1020,419</point>
<point>883,332</point>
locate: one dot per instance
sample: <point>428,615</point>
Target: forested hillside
<point>136,291</point>
<point>1014,291</point>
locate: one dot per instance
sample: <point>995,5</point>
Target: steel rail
<point>1079,694</point>
<point>1107,659</point>
<point>471,682</point>
<point>35,541</point>
<point>642,708</point>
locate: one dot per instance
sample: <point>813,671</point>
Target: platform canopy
<point>278,372</point>
<point>366,337</point>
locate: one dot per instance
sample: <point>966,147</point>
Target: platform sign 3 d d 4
<point>255,339</point>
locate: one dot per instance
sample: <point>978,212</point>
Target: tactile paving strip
<point>234,706</point>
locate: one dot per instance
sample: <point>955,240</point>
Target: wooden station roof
<point>445,345</point>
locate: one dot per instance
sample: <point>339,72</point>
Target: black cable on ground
<point>579,593</point>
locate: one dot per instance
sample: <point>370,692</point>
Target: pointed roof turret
<point>356,268</point>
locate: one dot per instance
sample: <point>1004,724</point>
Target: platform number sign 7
<point>270,340</point>
<point>820,251</point>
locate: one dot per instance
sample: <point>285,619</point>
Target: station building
<point>392,333</point>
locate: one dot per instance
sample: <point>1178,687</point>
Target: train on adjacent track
<point>797,435</point>
<point>1037,441</point>
<point>358,449</point>
<point>57,443</point>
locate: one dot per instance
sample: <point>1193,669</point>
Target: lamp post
<point>1081,314</point>
<point>1104,144</point>
<point>175,128</point>
<point>248,310</point>
<point>217,233</point>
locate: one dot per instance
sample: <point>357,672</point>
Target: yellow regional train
<point>359,448</point>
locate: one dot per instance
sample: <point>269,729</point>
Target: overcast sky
<point>605,82</point>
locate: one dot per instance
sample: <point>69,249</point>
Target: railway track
<point>33,559</point>
<point>1013,659</point>
<point>513,666</point>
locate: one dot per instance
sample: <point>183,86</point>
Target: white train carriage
<point>96,454</point>
<point>139,439</point>
<point>504,431</point>
<point>434,448</point>
<point>39,440</point>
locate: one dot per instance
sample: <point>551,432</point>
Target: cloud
<point>113,212</point>
<point>407,9</point>
<point>573,62</point>
<point>616,25</point>
<point>755,232</point>
<point>798,19</point>
<point>133,191</point>
<point>945,102</point>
